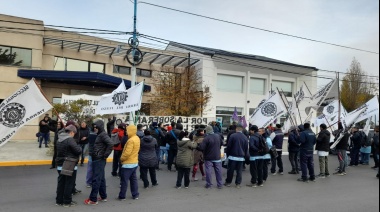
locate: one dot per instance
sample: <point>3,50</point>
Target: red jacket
<point>121,135</point>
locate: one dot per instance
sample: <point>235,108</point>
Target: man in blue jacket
<point>294,150</point>
<point>307,141</point>
<point>256,157</point>
<point>237,150</point>
<point>278,140</point>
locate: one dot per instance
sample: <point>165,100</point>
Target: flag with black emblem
<point>26,104</point>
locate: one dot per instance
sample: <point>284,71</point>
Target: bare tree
<point>179,92</point>
<point>357,87</point>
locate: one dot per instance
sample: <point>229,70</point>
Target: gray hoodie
<point>66,147</point>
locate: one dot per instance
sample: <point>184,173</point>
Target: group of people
<point>145,150</point>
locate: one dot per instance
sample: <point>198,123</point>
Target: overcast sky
<point>346,22</point>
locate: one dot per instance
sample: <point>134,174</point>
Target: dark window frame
<point>88,63</point>
<point>139,71</point>
<point>16,47</point>
<point>116,69</point>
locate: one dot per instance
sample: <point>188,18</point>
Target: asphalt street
<point>32,189</point>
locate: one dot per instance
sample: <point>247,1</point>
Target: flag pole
<point>330,126</point>
<point>290,116</point>
<point>340,103</point>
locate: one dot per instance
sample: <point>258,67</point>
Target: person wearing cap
<point>323,148</point>
<point>102,149</point>
<point>307,142</point>
<point>294,150</point>
<point>277,138</point>
<point>211,148</point>
<point>355,146</point>
<point>156,133</point>
<point>117,150</point>
<point>237,151</point>
<point>66,148</point>
<point>256,159</point>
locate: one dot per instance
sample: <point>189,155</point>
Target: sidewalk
<point>26,153</point>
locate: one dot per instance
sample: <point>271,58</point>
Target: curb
<point>34,163</point>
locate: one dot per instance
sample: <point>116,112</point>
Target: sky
<point>345,22</point>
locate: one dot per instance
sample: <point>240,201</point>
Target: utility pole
<point>340,103</point>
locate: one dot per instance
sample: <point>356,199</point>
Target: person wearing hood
<point>118,149</point>
<point>148,159</point>
<point>60,126</point>
<point>84,133</point>
<point>130,163</point>
<point>185,159</point>
<point>157,133</point>
<point>307,141</point>
<point>66,148</point>
<point>294,150</point>
<point>172,138</point>
<point>102,149</point>
<point>323,148</point>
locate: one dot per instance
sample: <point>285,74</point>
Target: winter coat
<point>157,134</point>
<point>111,125</point>
<point>375,144</point>
<point>44,128</point>
<point>356,140</point>
<point>84,133</point>
<point>323,141</point>
<point>237,146</point>
<point>254,144</point>
<point>307,141</point>
<point>147,154</point>
<point>211,146</point>
<point>343,144</point>
<point>185,157</point>
<point>292,142</point>
<point>198,155</point>
<point>121,135</point>
<point>66,147</point>
<point>103,145</point>
<point>171,140</point>
<point>132,148</point>
<point>278,139</point>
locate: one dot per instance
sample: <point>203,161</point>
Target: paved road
<point>32,189</point>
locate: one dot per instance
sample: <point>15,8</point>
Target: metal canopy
<point>152,58</point>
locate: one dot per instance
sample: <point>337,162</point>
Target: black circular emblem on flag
<point>269,109</point>
<point>330,109</point>
<point>120,98</point>
<point>12,114</point>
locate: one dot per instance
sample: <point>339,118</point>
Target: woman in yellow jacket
<point>129,160</point>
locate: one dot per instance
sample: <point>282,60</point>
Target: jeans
<point>232,167</point>
<point>265,169</point>
<point>164,154</point>
<point>324,165</point>
<point>365,158</point>
<point>158,152</point>
<point>98,181</point>
<point>218,173</point>
<point>277,161</point>
<point>256,168</point>
<point>342,158</point>
<point>294,161</point>
<point>89,172</point>
<point>144,175</point>
<point>44,136</point>
<point>116,165</point>
<point>65,188</point>
<point>354,153</point>
<point>129,175</point>
<point>172,153</point>
<point>183,173</point>
<point>201,168</point>
<point>84,150</point>
<point>307,163</point>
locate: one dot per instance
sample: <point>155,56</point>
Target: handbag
<point>69,166</point>
<point>273,152</point>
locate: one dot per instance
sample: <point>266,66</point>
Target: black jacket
<point>84,133</point>
<point>278,139</point>
<point>147,154</point>
<point>323,141</point>
<point>157,134</point>
<point>103,144</point>
<point>254,144</point>
<point>111,125</point>
<point>343,144</point>
<point>210,147</point>
<point>356,140</point>
<point>307,140</point>
<point>238,145</point>
<point>66,147</point>
<point>171,140</point>
<point>292,141</point>
<point>44,128</point>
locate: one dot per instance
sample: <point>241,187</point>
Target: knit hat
<point>209,130</point>
<point>71,128</point>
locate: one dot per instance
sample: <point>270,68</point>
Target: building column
<point>247,95</point>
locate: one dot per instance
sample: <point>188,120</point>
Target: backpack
<point>115,139</point>
<point>365,142</point>
<point>263,146</point>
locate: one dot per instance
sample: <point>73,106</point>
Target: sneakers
<point>178,187</point>
<point>155,185</point>
<point>208,187</point>
<point>238,186</point>
<point>303,180</point>
<point>251,185</point>
<point>321,176</point>
<point>312,180</point>
<point>72,204</point>
<point>194,179</point>
<point>76,191</point>
<point>89,202</point>
<point>102,200</point>
<point>120,199</point>
<point>88,186</point>
<point>281,173</point>
<point>186,187</point>
<point>261,185</point>
<point>227,184</point>
<point>135,198</point>
<point>339,173</point>
<point>203,178</point>
<point>274,174</point>
<point>292,172</point>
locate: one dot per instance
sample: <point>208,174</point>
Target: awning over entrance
<point>76,78</point>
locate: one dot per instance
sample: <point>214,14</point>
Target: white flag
<point>326,95</point>
<point>23,106</point>
<point>272,108</point>
<point>121,100</point>
<point>372,109</point>
<point>352,117</point>
<point>367,127</point>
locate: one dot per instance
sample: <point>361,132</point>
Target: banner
<point>121,100</point>
<point>324,96</point>
<point>267,112</point>
<point>372,109</point>
<point>187,122</point>
<point>21,107</point>
<point>93,102</point>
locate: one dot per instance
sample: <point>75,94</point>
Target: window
<point>251,110</point>
<point>227,83</point>
<point>67,64</point>
<point>144,73</point>
<point>225,113</point>
<point>258,86</point>
<point>287,87</point>
<point>57,100</point>
<point>23,56</point>
<point>122,70</point>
